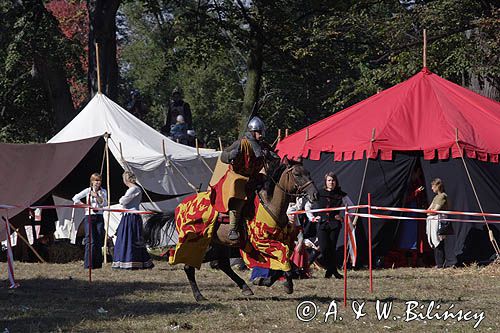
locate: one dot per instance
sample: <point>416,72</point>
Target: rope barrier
<point>391,217</point>
<point>396,209</point>
<point>104,209</point>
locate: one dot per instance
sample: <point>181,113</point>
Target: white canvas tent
<point>142,148</point>
<point>160,164</point>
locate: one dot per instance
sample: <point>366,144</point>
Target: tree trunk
<point>54,80</point>
<point>102,30</point>
<point>483,86</point>
<point>53,75</point>
<point>254,77</point>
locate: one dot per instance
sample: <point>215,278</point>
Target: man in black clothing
<point>177,107</point>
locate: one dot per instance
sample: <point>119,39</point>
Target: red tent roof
<point>424,113</point>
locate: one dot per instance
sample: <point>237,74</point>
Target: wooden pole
<point>89,240</point>
<point>121,151</point>
<point>345,256</point>
<point>370,241</point>
<point>220,143</point>
<point>307,133</point>
<point>197,146</point>
<point>424,55</point>
<point>286,132</point>
<point>279,135</point>
<point>98,68</point>
<point>163,149</point>
<point>105,248</point>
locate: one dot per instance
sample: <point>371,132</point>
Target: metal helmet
<point>256,124</point>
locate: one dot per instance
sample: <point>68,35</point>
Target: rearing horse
<point>203,238</point>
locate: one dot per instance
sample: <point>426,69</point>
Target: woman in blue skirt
<point>96,197</point>
<point>130,251</point>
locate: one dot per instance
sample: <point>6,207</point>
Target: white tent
<point>160,164</point>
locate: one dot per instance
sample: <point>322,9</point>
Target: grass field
<point>59,298</point>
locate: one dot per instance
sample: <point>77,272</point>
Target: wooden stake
<point>89,241</point>
<point>98,68</point>
<point>424,55</point>
<point>345,256</point>
<point>197,146</point>
<point>220,143</point>
<point>286,132</point>
<point>25,241</point>
<point>370,241</point>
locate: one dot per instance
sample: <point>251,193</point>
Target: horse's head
<point>298,180</point>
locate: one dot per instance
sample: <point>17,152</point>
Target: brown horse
<point>284,183</point>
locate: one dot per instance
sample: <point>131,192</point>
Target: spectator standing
<point>136,106</point>
<point>176,107</point>
<point>300,257</point>
<point>130,251</point>
<point>330,196</point>
<point>178,132</point>
<point>436,229</point>
<point>96,197</point>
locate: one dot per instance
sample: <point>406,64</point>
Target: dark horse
<point>284,183</point>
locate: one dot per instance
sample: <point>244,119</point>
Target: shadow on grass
<point>43,305</point>
<point>326,299</point>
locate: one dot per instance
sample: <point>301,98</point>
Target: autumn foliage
<point>74,24</point>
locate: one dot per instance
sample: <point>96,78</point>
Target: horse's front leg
<point>191,275</point>
<point>225,266</point>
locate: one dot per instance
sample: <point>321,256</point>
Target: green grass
<point>59,298</point>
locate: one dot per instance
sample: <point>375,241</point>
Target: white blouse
<point>102,193</point>
<point>132,198</point>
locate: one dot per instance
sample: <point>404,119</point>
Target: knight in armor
<point>177,107</point>
<point>246,158</point>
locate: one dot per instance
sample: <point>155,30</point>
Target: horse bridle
<point>298,188</point>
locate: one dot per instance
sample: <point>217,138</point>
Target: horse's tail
<point>154,226</point>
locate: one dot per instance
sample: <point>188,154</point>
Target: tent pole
<point>490,232</point>
<point>355,221</point>
<point>164,150</point>
<point>106,233</point>
<point>279,135</point>
<point>220,143</point>
<point>24,240</point>
<point>424,51</point>
<point>286,132</point>
<point>98,68</point>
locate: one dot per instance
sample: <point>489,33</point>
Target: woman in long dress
<point>96,197</point>
<point>130,250</point>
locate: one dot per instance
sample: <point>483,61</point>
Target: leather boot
<point>233,234</point>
